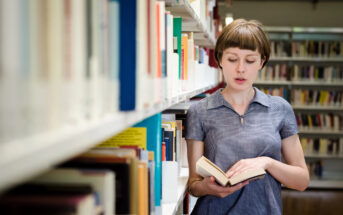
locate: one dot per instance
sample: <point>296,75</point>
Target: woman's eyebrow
<point>248,55</point>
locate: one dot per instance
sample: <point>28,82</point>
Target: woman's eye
<point>232,60</point>
<point>250,61</point>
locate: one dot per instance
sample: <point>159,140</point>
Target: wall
<point>289,13</point>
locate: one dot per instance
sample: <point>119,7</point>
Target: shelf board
<point>317,108</point>
<point>303,29</point>
<point>320,133</point>
<point>326,156</point>
<point>299,83</point>
<point>171,208</point>
<point>24,158</point>
<point>272,83</point>
<point>308,59</point>
<point>191,22</point>
<point>317,83</point>
<point>328,184</point>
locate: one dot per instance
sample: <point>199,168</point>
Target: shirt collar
<point>217,99</point>
<point>261,98</point>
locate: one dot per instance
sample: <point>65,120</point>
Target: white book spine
<point>79,60</point>
<point>143,88</point>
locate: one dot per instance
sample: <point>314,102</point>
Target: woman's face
<point>240,67</point>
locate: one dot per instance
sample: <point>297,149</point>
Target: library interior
<point>98,98</point>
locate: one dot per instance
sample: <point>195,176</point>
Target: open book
<point>206,168</point>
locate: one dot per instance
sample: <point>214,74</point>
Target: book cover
<point>127,57</point>
<point>49,199</point>
<point>114,53</point>
<point>154,140</point>
<point>177,28</point>
<point>143,187</point>
<point>121,167</point>
<point>206,168</point>
<point>134,136</point>
<point>101,181</point>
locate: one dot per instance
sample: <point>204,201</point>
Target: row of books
<point>63,191</point>
<point>317,97</point>
<point>312,73</point>
<point>320,121</point>
<point>65,62</point>
<point>164,135</point>
<point>307,97</point>
<point>307,48</point>
<point>322,146</point>
<point>117,180</point>
<point>276,91</point>
<point>130,173</point>
<point>315,169</point>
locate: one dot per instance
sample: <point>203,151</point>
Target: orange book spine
<point>163,151</point>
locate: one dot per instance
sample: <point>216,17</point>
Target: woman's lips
<point>240,80</point>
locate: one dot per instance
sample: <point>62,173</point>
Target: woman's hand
<point>248,164</point>
<point>208,186</point>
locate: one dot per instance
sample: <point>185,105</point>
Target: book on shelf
<point>127,59</point>
<point>154,137</point>
<point>322,146</point>
<point>206,168</point>
<point>133,136</point>
<point>125,169</point>
<point>50,199</point>
<point>101,181</point>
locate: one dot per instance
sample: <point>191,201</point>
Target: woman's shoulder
<point>202,105</point>
<point>279,102</point>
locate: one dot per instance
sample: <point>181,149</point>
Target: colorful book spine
<point>154,143</point>
<point>127,57</point>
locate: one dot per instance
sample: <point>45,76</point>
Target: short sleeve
<point>194,126</point>
<point>289,127</point>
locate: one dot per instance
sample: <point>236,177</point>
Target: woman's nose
<point>240,66</point>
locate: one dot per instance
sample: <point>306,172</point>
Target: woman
<point>240,128</point>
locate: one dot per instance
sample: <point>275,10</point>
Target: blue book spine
<point>127,55</point>
<point>154,143</point>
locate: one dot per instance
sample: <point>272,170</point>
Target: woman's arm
<point>199,186</point>
<point>293,173</point>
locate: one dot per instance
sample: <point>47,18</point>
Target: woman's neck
<point>238,100</point>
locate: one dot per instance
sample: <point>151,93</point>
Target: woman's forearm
<point>292,176</point>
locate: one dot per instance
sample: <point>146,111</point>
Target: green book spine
<point>177,25</point>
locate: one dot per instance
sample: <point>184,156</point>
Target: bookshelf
<point>326,184</point>
<point>306,62</point>
<point>193,20</point>
<point>19,160</point>
<point>27,154</point>
<point>171,208</point>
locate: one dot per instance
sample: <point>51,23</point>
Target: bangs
<point>243,34</point>
<point>243,38</point>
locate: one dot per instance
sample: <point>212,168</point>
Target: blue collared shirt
<point>229,137</point>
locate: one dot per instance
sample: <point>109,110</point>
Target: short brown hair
<point>243,34</point>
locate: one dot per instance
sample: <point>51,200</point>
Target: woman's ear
<point>219,65</point>
<point>263,59</point>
